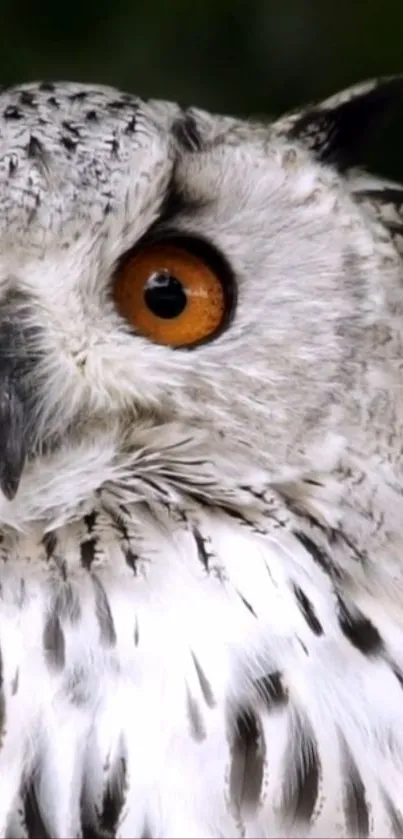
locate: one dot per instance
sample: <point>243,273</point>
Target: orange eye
<point>171,295</point>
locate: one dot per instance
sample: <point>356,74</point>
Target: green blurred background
<point>260,57</point>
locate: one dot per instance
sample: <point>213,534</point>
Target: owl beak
<point>12,437</point>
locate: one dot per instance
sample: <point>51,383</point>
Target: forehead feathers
<point>72,155</point>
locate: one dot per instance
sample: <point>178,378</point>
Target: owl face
<point>169,276</point>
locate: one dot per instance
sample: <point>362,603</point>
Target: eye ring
<point>176,290</point>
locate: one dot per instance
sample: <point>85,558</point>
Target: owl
<point>201,470</point>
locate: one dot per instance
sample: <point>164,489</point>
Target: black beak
<point>12,437</point>
<point>18,362</point>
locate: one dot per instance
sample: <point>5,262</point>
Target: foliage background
<point>240,56</point>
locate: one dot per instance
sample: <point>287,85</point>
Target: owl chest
<point>117,674</point>
<point>197,681</point>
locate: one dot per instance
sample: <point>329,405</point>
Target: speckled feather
<point>201,579</point>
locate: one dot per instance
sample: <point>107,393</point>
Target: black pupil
<point>164,295</point>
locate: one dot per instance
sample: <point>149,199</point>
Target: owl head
<point>185,298</point>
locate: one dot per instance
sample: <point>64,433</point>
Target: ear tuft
<point>339,129</point>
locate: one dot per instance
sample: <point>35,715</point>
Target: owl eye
<point>175,293</point>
